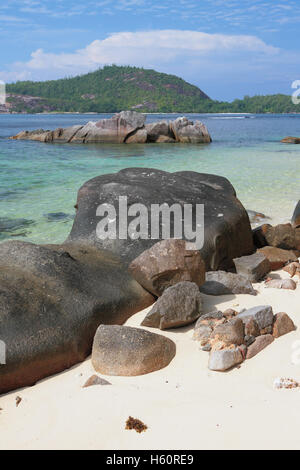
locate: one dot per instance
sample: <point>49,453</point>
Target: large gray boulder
<point>52,300</point>
<point>165,264</point>
<point>227,230</point>
<point>179,305</point>
<point>114,130</point>
<point>186,131</point>
<point>125,127</point>
<point>126,351</point>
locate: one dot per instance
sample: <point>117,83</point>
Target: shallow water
<point>38,179</point>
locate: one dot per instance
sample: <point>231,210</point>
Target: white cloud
<point>142,48</point>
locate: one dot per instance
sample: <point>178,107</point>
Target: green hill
<point>110,89</point>
<point>114,88</point>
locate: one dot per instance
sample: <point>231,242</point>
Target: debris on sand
<point>136,424</point>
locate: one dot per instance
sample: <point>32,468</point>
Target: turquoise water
<point>38,179</point>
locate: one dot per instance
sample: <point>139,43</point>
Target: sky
<point>228,48</point>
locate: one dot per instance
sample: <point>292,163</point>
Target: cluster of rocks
<point>125,127</point>
<point>291,140</point>
<point>232,337</point>
<point>54,297</point>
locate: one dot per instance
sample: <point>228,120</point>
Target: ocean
<point>39,182</point>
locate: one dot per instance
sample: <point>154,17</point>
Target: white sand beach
<point>185,406</point>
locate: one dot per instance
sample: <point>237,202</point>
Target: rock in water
<point>291,140</point>
<point>227,231</point>
<point>52,300</point>
<point>124,127</point>
<point>253,267</point>
<point>126,351</point>
<point>283,324</point>
<point>165,264</point>
<point>178,306</point>
<point>278,257</point>
<point>114,130</point>
<point>223,283</point>
<point>186,131</point>
<point>296,216</point>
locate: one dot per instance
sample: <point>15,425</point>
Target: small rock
<point>253,267</point>
<point>266,331</point>
<point>285,383</point>
<point>223,283</point>
<point>292,268</point>
<point>95,380</point>
<point>263,315</point>
<point>230,313</point>
<point>224,359</point>
<point>278,257</point>
<point>231,332</point>
<point>202,334</point>
<point>283,324</point>
<point>282,236</point>
<point>288,284</point>
<point>126,351</point>
<point>165,264</point>
<point>249,340</point>
<point>178,306</point>
<point>251,328</point>
<point>260,343</point>
<point>18,401</point>
<point>206,348</point>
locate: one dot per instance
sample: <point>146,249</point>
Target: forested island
<point>114,88</point>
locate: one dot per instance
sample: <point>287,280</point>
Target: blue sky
<point>228,48</point>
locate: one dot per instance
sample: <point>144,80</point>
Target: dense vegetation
<point>115,88</point>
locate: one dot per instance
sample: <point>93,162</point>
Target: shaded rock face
<point>227,231</point>
<point>282,236</point>
<point>114,130</point>
<point>125,127</point>
<point>253,267</point>
<point>278,257</point>
<point>165,264</point>
<point>260,343</point>
<point>52,301</point>
<point>178,306</point>
<point>283,324</point>
<point>126,351</point>
<point>296,216</point>
<point>223,283</point>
